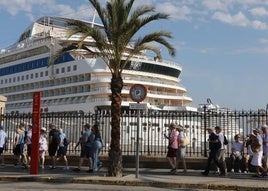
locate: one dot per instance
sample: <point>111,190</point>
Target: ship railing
<point>141,79</point>
<point>26,44</point>
<point>153,59</point>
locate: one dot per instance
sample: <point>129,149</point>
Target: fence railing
<point>152,126</point>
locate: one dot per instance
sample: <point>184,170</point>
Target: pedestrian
<point>257,149</point>
<point>181,148</point>
<point>237,153</point>
<point>97,145</point>
<point>265,148</point>
<point>19,146</point>
<point>172,147</point>
<point>221,152</point>
<point>3,142</point>
<point>249,154</point>
<point>62,150</point>
<point>87,150</point>
<point>28,141</point>
<point>214,146</point>
<point>43,146</point>
<point>79,141</point>
<point>53,145</point>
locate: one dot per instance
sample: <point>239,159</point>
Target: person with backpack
<point>62,151</point>
<point>53,144</point>
<point>221,152</point>
<point>86,149</point>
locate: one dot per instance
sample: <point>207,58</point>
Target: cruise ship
<point>79,81</point>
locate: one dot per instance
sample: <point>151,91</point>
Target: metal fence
<point>152,126</point>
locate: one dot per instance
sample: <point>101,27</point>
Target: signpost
<point>35,132</point>
<point>138,93</point>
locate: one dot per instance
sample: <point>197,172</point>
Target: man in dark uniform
<point>214,146</point>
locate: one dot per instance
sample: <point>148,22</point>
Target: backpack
<point>225,142</point>
<point>56,136</point>
<point>66,142</point>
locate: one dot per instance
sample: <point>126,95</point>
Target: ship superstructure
<point>79,81</point>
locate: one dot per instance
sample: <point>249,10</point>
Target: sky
<point>222,45</point>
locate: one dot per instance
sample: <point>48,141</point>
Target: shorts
<point>172,152</point>
<point>29,149</point>
<point>82,153</point>
<point>86,152</point>
<point>1,150</point>
<point>52,149</point>
<point>18,150</point>
<point>62,152</point>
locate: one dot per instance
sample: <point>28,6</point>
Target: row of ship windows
<point>46,83</point>
<point>37,75</point>
<point>26,77</point>
<point>35,64</point>
<point>55,92</point>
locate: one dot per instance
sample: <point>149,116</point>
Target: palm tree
<point>120,24</point>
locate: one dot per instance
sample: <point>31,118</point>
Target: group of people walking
<point>253,150</point>
<point>90,143</point>
<point>55,143</point>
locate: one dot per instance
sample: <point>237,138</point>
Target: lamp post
<point>205,129</point>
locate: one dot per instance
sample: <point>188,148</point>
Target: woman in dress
<point>43,146</point>
<point>256,147</point>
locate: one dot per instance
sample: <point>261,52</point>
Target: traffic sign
<point>140,106</point>
<point>138,92</point>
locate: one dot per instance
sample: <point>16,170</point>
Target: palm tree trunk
<point>115,156</point>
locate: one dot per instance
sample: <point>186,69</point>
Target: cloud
<point>16,6</point>
<point>259,25</point>
<point>238,19</point>
<point>215,5</point>
<point>174,10</point>
<point>259,12</point>
<point>33,8</point>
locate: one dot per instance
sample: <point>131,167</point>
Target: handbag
<point>186,141</point>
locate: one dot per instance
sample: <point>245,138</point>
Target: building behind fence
<point>152,126</point>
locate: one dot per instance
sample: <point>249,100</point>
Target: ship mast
<point>93,19</point>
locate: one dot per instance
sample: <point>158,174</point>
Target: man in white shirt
<point>3,140</point>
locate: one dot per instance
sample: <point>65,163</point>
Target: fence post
<point>205,131</point>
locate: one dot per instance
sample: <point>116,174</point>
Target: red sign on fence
<point>35,132</point>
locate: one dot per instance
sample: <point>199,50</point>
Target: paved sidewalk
<point>147,177</point>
